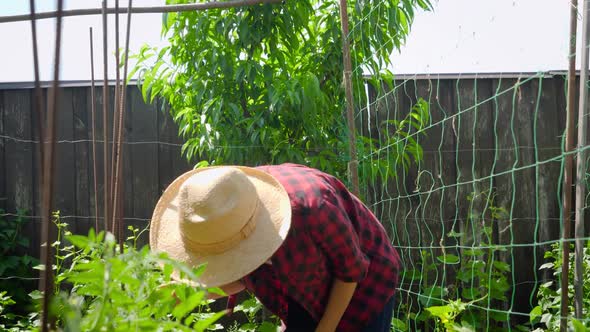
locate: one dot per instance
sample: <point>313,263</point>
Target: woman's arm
<point>338,300</point>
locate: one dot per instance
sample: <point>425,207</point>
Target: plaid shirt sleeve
<point>332,230</point>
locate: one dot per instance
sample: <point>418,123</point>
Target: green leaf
<point>168,20</point>
<point>449,259</point>
<point>470,293</point>
<point>442,312</point>
<point>36,295</point>
<point>186,306</point>
<point>216,290</point>
<point>79,241</point>
<point>267,327</point>
<point>501,266</point>
<point>248,327</point>
<point>435,291</point>
<point>201,164</point>
<point>546,266</point>
<point>454,234</point>
<point>399,325</point>
<point>578,326</point>
<point>412,275</point>
<point>473,252</point>
<point>430,297</point>
<point>203,324</point>
<point>146,86</point>
<point>535,314</point>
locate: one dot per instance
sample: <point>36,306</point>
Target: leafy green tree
<point>264,84</point>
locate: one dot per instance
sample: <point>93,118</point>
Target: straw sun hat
<point>232,218</point>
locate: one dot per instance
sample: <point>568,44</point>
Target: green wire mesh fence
<point>478,208</point>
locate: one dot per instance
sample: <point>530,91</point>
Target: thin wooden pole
<point>353,164</point>
<point>115,118</point>
<point>48,170</point>
<point>142,10</point>
<point>581,164</point>
<point>38,105</point>
<point>568,167</point>
<point>118,203</point>
<point>93,115</point>
<point>105,115</point>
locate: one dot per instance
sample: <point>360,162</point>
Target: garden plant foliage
<point>264,84</point>
<point>104,290</point>
<point>17,277</point>
<point>481,280</point>
<point>97,288</point>
<point>547,313</point>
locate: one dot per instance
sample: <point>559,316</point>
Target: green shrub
<point>101,289</point>
<point>264,84</point>
<point>547,312</point>
<point>17,278</point>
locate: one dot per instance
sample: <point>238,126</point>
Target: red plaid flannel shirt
<point>332,235</point>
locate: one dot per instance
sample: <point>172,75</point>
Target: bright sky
<point>460,36</point>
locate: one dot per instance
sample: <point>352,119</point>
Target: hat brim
<point>272,217</point>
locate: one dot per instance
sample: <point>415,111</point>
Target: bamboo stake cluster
<point>46,129</point>
<point>47,179</point>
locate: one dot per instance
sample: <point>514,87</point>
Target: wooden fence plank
<point>144,157</point>
<point>64,194</point>
<point>474,146</point>
<point>92,198</point>
<point>515,188</point>
<point>180,164</point>
<point>444,150</point>
<point>18,151</point>
<point>98,128</point>
<point>37,167</point>
<point>397,192</point>
<point>128,169</point>
<point>166,151</point>
<point>504,110</point>
<point>3,197</point>
<point>371,124</point>
<point>427,214</point>
<point>524,220</point>
<point>82,154</point>
<point>100,143</point>
<point>550,121</point>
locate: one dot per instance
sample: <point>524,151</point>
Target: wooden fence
<point>152,158</point>
<point>494,134</point>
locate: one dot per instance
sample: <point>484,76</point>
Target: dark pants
<point>299,320</point>
<point>382,323</point>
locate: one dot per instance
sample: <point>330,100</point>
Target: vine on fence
<point>475,299</point>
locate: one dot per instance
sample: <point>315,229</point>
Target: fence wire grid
<point>477,212</point>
